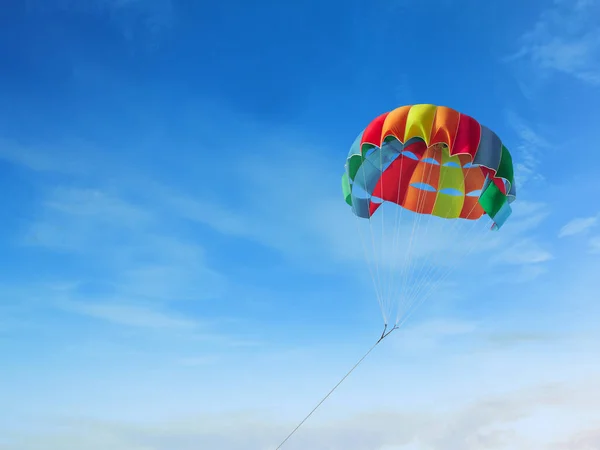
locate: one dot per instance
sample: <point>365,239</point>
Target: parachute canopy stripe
<point>431,145</point>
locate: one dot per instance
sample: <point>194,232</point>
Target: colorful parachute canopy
<point>430,160</point>
<point>449,174</point>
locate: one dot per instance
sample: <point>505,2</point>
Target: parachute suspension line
<point>424,263</point>
<point>397,286</point>
<point>400,283</point>
<point>421,283</point>
<point>377,283</point>
<point>421,199</point>
<point>410,269</point>
<point>377,293</point>
<point>383,336</point>
<point>395,232</point>
<point>440,280</point>
<point>409,298</point>
<point>425,290</point>
<point>382,225</point>
<point>426,269</point>
<point>383,306</point>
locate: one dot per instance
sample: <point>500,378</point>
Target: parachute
<point>443,175</point>
<point>421,180</point>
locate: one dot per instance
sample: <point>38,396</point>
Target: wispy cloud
<point>565,39</point>
<point>520,337</point>
<point>132,240</point>
<point>528,215</point>
<point>519,247</point>
<point>531,272</point>
<point>136,19</point>
<point>429,334</point>
<point>128,267</point>
<point>528,151</point>
<point>130,315</point>
<point>578,226</point>
<point>206,211</point>
<point>525,251</point>
<point>39,159</point>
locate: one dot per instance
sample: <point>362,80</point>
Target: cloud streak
<point>154,15</point>
<point>129,315</point>
<point>577,226</point>
<point>565,39</point>
<point>41,159</point>
<point>528,152</point>
<point>132,241</point>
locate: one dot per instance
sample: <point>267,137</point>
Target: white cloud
<point>525,251</point>
<point>148,18</point>
<point>519,245</point>
<point>96,204</point>
<point>83,220</point>
<point>531,272</point>
<point>282,203</point>
<point>500,399</point>
<point>206,211</point>
<point>517,420</point>
<point>129,314</point>
<point>427,335</point>
<point>565,39</point>
<point>79,322</point>
<point>38,159</point>
<point>135,244</point>
<point>584,440</point>
<point>527,216</point>
<point>128,271</point>
<point>527,152</point>
<point>578,226</point>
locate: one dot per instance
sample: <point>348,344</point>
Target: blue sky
<point>178,261</point>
